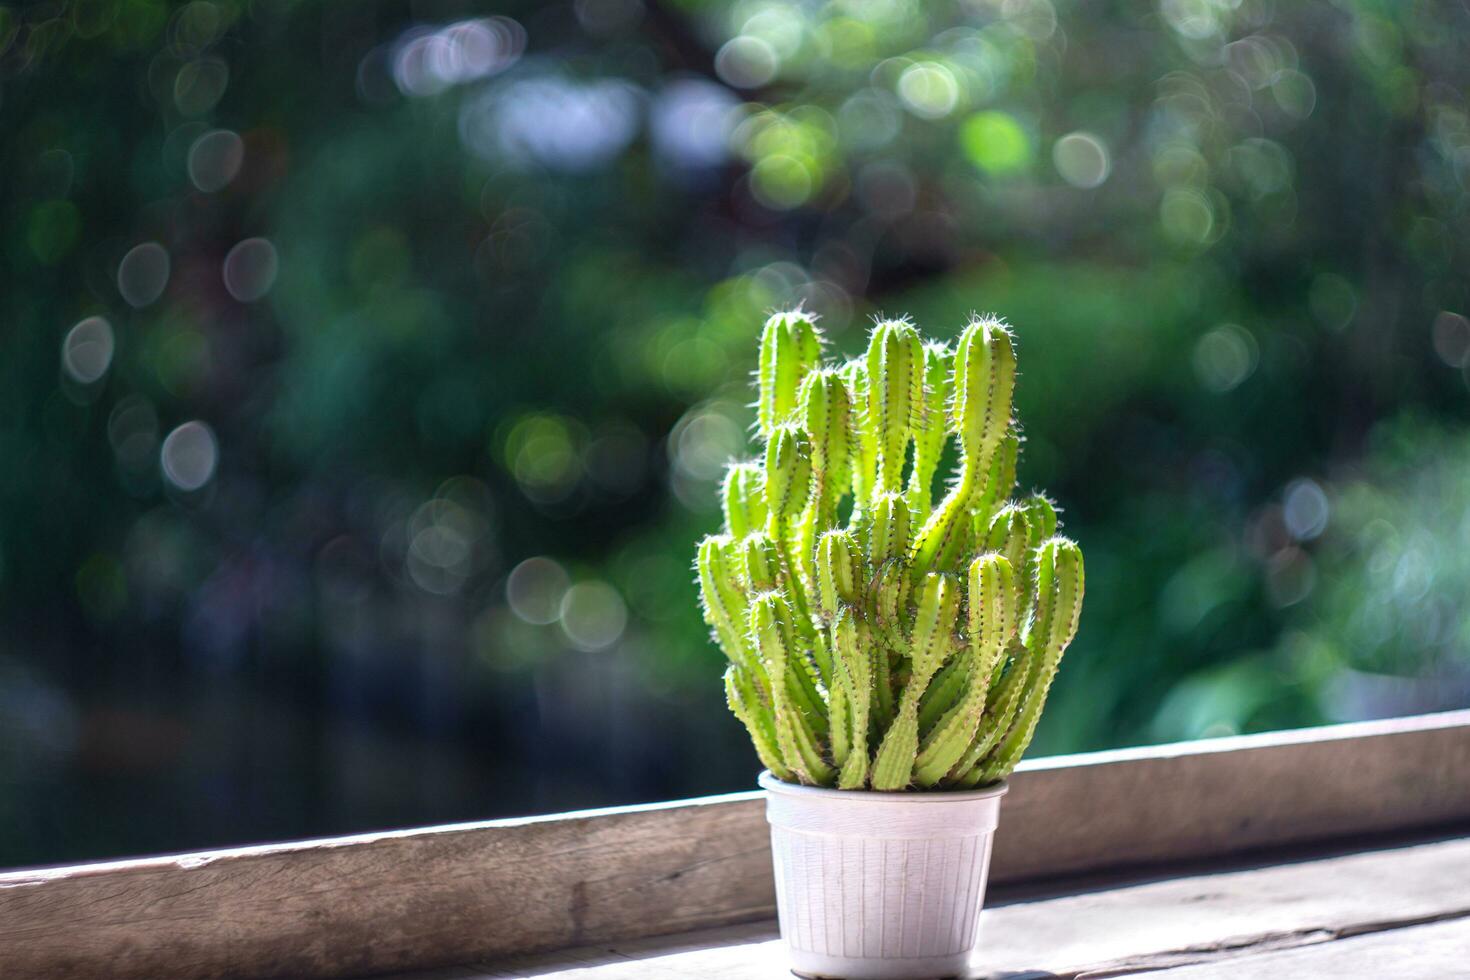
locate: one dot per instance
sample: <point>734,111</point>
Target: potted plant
<point>889,652</point>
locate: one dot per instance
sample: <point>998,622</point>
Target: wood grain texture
<point>1070,814</point>
<point>1228,924</point>
<point>392,901</point>
<point>445,895</point>
<point>1432,952</point>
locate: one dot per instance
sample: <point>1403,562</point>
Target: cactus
<point>879,638</point>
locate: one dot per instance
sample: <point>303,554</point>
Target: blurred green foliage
<point>425,331</point>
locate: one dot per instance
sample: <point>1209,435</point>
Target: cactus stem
<point>878,638</point>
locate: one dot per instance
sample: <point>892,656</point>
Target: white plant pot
<point>880,886</point>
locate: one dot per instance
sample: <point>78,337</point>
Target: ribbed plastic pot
<point>880,886</point>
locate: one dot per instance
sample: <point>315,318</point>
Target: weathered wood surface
<point>392,901</point>
<point>465,893</point>
<point>1131,807</point>
<point>1229,924</point>
<point>1433,952</point>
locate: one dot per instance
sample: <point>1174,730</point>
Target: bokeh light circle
<point>200,85</point>
<point>995,143</point>
<point>782,182</point>
<point>1451,334</point>
<point>1225,357</point>
<point>746,62</point>
<point>1082,159</point>
<point>1294,92</point>
<point>250,269</point>
<point>1190,217</point>
<point>427,62</point>
<point>929,90</point>
<point>535,590</point>
<point>87,351</point>
<point>189,456</point>
<point>1305,509</point>
<point>593,615</point>
<point>690,123</point>
<point>215,159</point>
<point>142,274</point>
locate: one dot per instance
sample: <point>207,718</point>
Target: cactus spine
<point>910,643</point>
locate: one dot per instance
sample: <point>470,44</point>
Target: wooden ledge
<point>473,892</point>
<point>1316,912</point>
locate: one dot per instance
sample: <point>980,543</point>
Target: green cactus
<point>879,639</point>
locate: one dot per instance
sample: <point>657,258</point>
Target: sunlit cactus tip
<point>887,630</point>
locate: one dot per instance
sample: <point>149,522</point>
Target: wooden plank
<point>1221,920</point>
<point>391,901</point>
<point>1198,918</point>
<point>740,952</point>
<point>1432,952</point>
<point>445,895</point>
<point>1131,807</point>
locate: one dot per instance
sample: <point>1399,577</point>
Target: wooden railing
<point>454,894</point>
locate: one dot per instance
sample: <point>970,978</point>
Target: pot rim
<point>768,781</point>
